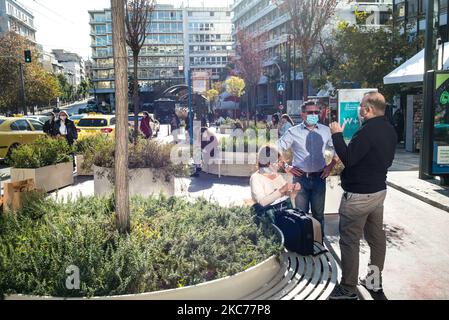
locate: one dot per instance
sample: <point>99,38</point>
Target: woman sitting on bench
<point>267,184</point>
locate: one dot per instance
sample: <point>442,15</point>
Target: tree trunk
<point>255,103</point>
<point>121,134</point>
<point>136,95</point>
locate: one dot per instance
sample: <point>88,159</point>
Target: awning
<point>413,69</point>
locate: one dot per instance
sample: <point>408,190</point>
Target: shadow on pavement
<point>206,181</point>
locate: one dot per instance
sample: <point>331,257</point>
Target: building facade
<point>264,20</point>
<point>73,66</point>
<point>177,39</point>
<point>15,17</point>
<point>208,40</point>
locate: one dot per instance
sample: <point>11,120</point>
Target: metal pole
<point>189,73</point>
<point>426,144</point>
<point>22,90</point>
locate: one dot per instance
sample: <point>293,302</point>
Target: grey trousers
<point>361,214</point>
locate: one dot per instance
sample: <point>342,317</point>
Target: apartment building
<point>266,21</point>
<point>73,66</point>
<point>208,40</point>
<point>178,38</point>
<point>15,17</point>
<point>48,61</point>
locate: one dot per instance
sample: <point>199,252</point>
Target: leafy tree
<point>137,19</point>
<point>364,55</point>
<point>308,19</point>
<point>212,95</point>
<point>249,62</point>
<point>235,86</point>
<point>40,86</point>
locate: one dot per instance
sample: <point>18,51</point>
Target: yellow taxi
<point>17,131</point>
<point>94,124</point>
<point>77,117</point>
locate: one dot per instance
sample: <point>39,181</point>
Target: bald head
<point>376,101</point>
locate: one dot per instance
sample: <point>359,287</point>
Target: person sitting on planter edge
<point>145,125</point>
<point>64,127</point>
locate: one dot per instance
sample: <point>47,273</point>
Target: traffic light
<point>27,56</point>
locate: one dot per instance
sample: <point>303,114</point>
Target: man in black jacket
<point>367,159</point>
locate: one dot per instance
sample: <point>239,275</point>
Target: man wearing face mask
<point>309,142</point>
<point>367,159</point>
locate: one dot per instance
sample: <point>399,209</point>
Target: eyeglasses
<point>312,112</point>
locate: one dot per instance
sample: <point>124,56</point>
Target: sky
<point>64,24</point>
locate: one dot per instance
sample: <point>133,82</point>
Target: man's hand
<point>327,171</point>
<point>294,171</point>
<point>336,128</point>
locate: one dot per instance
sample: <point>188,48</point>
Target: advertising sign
<point>349,110</point>
<point>440,159</point>
<point>200,81</point>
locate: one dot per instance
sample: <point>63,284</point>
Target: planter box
<point>142,182</point>
<point>230,288</point>
<point>79,167</point>
<point>48,178</point>
<point>233,164</point>
<point>334,192</point>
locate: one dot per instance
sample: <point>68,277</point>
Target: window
<point>20,125</point>
<point>212,13</point>
<point>93,123</point>
<point>112,122</point>
<point>37,125</point>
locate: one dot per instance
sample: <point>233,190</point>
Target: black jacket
<point>49,127</point>
<point>367,157</point>
<point>72,134</point>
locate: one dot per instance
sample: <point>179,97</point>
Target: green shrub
<point>89,145</point>
<point>173,243</point>
<point>143,154</point>
<point>43,152</point>
<point>255,140</point>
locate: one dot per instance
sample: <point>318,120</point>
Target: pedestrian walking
<point>275,121</point>
<point>49,125</point>
<point>209,145</point>
<point>309,142</point>
<point>367,159</point>
<point>286,124</point>
<point>65,128</point>
<point>175,124</point>
<point>145,125</point>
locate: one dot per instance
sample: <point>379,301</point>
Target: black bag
<point>297,228</point>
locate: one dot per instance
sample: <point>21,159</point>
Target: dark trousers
<point>312,196</point>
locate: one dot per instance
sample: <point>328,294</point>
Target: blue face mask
<point>312,119</point>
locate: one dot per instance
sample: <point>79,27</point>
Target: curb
<point>361,291</point>
<point>418,196</point>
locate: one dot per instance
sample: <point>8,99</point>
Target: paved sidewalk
<point>429,191</point>
<point>417,249</point>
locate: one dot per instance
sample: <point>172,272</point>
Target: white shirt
<point>63,129</point>
<point>264,190</point>
<point>308,146</point>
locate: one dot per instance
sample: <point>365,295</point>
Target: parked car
<point>94,124</point>
<point>40,118</point>
<point>17,131</point>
